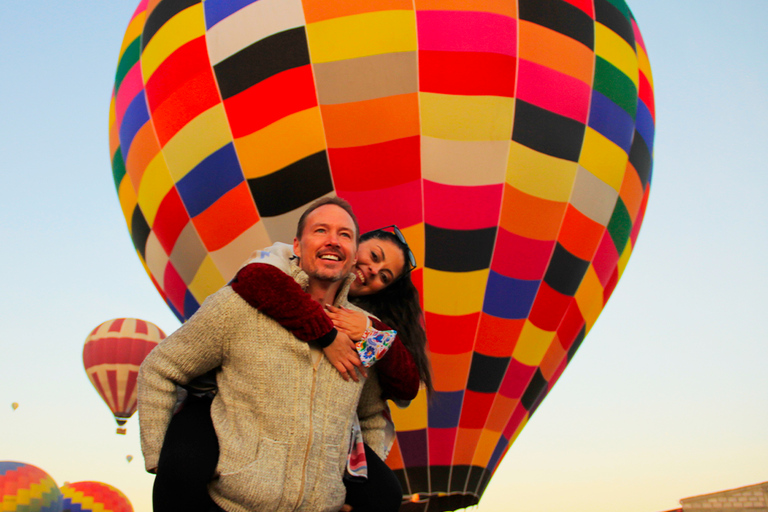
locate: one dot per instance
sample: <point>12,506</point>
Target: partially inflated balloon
<point>27,488</point>
<point>94,497</point>
<point>112,355</point>
<point>512,140</point>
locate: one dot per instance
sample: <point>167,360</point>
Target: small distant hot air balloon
<point>94,497</point>
<point>15,405</point>
<point>112,355</point>
<point>27,488</point>
<point>129,458</point>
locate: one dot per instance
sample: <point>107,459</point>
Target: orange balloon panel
<point>512,141</point>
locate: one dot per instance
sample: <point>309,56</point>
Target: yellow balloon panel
<point>470,118</point>
<point>362,35</point>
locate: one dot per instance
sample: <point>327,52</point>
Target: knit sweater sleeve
<point>397,371</point>
<point>193,349</point>
<point>276,294</point>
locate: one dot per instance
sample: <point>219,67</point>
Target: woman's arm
<point>397,371</point>
<point>275,293</point>
<point>398,375</point>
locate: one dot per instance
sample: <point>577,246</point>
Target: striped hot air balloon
<point>27,488</point>
<point>112,355</point>
<point>93,497</point>
<point>512,142</point>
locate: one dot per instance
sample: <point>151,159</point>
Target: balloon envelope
<point>94,497</point>
<point>512,142</point>
<point>112,355</point>
<point>27,488</point>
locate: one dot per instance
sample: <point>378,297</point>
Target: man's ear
<point>296,247</point>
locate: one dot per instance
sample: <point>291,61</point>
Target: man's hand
<point>342,355</point>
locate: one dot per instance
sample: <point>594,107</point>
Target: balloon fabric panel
<point>261,60</point>
<point>554,91</point>
<point>234,204</point>
<point>512,142</point>
<point>252,110</point>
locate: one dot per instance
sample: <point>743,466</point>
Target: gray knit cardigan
<point>282,417</point>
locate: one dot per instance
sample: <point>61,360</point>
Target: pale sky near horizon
<point>666,398</point>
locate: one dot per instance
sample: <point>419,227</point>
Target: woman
<point>382,286</point>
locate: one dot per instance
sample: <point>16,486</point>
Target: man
<point>283,414</point>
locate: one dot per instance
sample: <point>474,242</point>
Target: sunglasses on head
<point>409,253</point>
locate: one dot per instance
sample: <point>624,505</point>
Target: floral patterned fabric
<point>373,345</point>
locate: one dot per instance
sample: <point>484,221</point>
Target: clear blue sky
<point>667,397</point>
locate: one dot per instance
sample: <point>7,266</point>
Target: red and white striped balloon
<point>112,355</point>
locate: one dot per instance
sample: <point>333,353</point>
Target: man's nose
<point>333,238</point>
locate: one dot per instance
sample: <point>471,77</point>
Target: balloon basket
<point>425,501</point>
<point>121,431</point>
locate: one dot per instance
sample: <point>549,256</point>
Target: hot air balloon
<point>14,405</point>
<point>129,458</point>
<point>27,488</point>
<point>511,140</point>
<point>112,355</point>
<point>94,497</point>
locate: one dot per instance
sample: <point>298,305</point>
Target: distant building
<point>752,498</point>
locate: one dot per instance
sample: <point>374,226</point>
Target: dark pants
<point>187,460</point>
<point>191,451</point>
<point>381,492</point>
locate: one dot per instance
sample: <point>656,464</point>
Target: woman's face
<point>379,262</point>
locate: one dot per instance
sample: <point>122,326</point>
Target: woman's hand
<point>351,323</point>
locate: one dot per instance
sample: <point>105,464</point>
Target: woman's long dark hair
<point>398,306</point>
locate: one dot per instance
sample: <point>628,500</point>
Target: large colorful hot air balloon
<point>27,488</point>
<point>112,355</point>
<point>94,497</point>
<point>511,140</point>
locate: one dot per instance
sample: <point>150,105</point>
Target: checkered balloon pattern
<point>511,141</point>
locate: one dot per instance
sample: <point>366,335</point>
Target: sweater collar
<point>302,278</point>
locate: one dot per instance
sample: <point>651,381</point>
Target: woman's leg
<point>188,460</point>
<point>381,492</point>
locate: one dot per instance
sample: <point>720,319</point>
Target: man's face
<point>328,246</point>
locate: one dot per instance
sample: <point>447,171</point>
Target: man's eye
<point>374,257</point>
